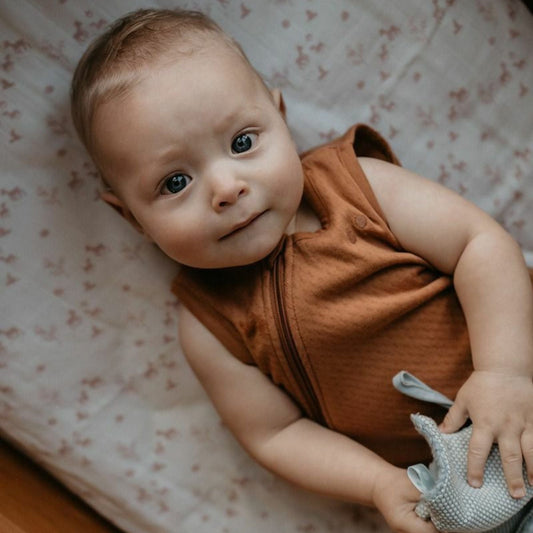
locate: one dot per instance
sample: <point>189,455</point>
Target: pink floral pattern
<point>93,383</point>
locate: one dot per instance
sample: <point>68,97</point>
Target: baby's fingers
<point>411,523</point>
<point>478,450</point>
<point>527,451</point>
<point>417,525</point>
<point>454,419</point>
<point>511,454</point>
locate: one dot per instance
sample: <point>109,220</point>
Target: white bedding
<point>93,383</point>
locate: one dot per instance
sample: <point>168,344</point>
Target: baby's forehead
<point>185,89</point>
<point>133,67</point>
<point>197,42</point>
<point>213,67</point>
<point>215,47</point>
<point>192,60</point>
<point>184,58</point>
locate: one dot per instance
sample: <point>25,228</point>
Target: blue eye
<point>175,183</point>
<point>243,143</point>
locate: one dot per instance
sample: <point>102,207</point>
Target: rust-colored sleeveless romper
<point>332,316</point>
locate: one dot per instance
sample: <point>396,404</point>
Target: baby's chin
<point>253,254</point>
<point>258,251</point>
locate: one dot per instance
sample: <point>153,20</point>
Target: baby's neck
<point>305,220</point>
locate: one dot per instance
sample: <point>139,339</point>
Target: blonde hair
<point>113,63</point>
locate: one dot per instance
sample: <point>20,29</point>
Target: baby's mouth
<point>242,225</point>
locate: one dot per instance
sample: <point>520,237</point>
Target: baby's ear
<point>278,100</point>
<point>118,205</point>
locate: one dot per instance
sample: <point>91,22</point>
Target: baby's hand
<point>501,409</point>
<point>396,498</point>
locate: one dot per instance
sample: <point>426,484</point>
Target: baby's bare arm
<point>493,286</point>
<point>272,430</point>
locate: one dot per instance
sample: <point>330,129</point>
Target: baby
<point>308,282</point>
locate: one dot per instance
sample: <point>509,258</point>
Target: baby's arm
<point>494,289</point>
<point>270,427</point>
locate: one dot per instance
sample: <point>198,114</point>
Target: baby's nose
<point>227,192</point>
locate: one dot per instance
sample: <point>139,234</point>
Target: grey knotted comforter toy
<point>447,499</point>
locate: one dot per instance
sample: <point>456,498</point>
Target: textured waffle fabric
<point>342,305</point>
<point>450,502</point>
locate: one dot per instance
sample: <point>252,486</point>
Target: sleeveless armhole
<point>362,141</point>
<point>194,300</point>
<point>369,143</point>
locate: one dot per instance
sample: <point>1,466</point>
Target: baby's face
<point>200,155</point>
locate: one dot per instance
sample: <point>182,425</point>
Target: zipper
<point>289,346</point>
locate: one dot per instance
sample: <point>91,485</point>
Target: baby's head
<point>192,146</point>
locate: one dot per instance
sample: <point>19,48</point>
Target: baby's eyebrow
<point>231,117</point>
<point>171,155</point>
